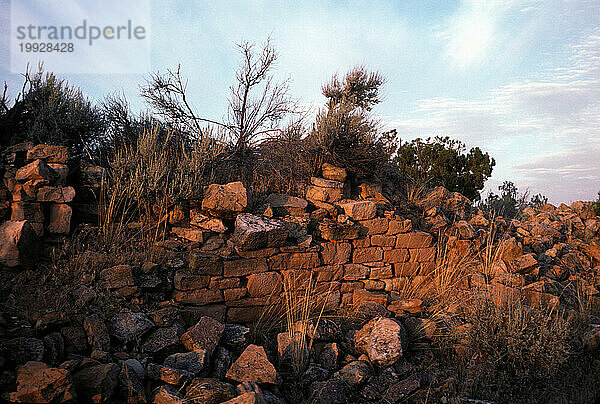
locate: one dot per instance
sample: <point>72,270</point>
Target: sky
<point>518,78</point>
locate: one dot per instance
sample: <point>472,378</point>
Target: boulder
<point>59,219</point>
<point>19,244</point>
<point>225,200</point>
<point>198,219</point>
<point>38,383</point>
<point>205,335</point>
<point>129,326</point>
<point>96,383</point>
<point>117,277</point>
<point>354,373</point>
<point>208,391</point>
<point>97,333</point>
<point>264,284</point>
<point>37,171</point>
<point>235,336</point>
<point>194,362</point>
<point>49,153</point>
<point>383,340</point>
<point>22,349</point>
<point>164,339</point>
<point>283,205</point>
<point>333,173</point>
<point>253,366</point>
<point>359,210</point>
<point>56,194</point>
<point>132,385</point>
<point>27,211</point>
<point>256,232</point>
<point>322,194</point>
<point>167,395</point>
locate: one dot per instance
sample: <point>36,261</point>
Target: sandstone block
<point>417,239</point>
<point>19,244</point>
<point>333,173</point>
<point>359,210</point>
<point>225,200</point>
<point>255,232</point>
<point>264,284</point>
<point>56,194</point>
<point>59,219</point>
<point>369,254</point>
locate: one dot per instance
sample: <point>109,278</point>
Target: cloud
<point>543,130</point>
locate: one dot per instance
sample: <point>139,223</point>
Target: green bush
<point>50,111</point>
<point>510,202</point>
<point>596,205</point>
<point>444,161</point>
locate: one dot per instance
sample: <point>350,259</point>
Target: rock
<point>19,244</point>
<point>96,383</point>
<point>222,362</point>
<point>450,202</point>
<point>225,200</point>
<point>49,153</point>
<point>167,374</point>
<point>205,335</point>
<point>56,194</point>
<point>208,391</point>
<point>38,383</point>
<point>62,171</point>
<point>247,398</point>
<point>131,384</point>
<point>22,349</point>
<point>406,305</point>
<point>283,205</point>
<point>264,284</point>
<point>329,392</point>
<point>59,219</point>
<point>359,210</point>
<point>54,348</point>
<point>129,326</point>
<point>255,232</point>
<point>591,337</point>
<point>27,211</point>
<point>235,336</point>
<point>354,373</point>
<point>191,234</point>
<point>117,277</point>
<point>36,171</point>
<point>195,362</point>
<point>164,339</point>
<point>382,339</point>
<point>97,333</point>
<point>334,231</point>
<point>297,226</point>
<point>333,173</point>
<point>167,395</point>
<point>329,356</point>
<point>316,193</point>
<point>253,366</point>
<point>198,219</point>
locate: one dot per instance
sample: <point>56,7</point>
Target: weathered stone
<point>27,211</point>
<point>131,383</point>
<point>168,375</point>
<point>406,305</point>
<point>329,356</point>
<point>264,284</point>
<point>381,240</point>
<point>56,194</point>
<point>329,392</point>
<point>336,253</point>
<point>297,227</point>
<point>97,333</point>
<point>164,339</point>
<point>315,193</point>
<point>422,254</point>
<point>225,200</point>
<point>234,294</point>
<point>19,244</point>
<point>325,183</point>
<point>333,231</point>
<point>255,232</point>
<point>195,362</point>
<point>333,173</point>
<point>354,373</point>
<point>361,295</point>
<point>283,204</point>
<point>62,171</point>
<point>383,340</point>
<point>397,255</point>
<point>38,383</point>
<point>198,219</point>
<point>205,263</point>
<point>353,272</point>
<point>378,225</point>
<point>208,391</point>
<point>37,171</point>
<point>129,326</point>
<point>306,260</point>
<point>235,337</point>
<point>49,153</point>
<point>59,219</point>
<point>359,210</point>
<point>221,363</point>
<point>191,234</point>
<point>369,254</point>
<point>417,239</point>
<point>167,395</point>
<point>591,337</point>
<point>22,349</point>
<point>253,366</point>
<point>205,335</point>
<point>244,267</point>
<point>185,280</point>
<point>198,296</point>
<point>398,226</point>
<point>510,249</point>
<point>117,277</point>
<point>96,383</point>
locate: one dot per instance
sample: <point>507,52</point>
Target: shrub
<point>596,205</point>
<point>50,111</point>
<point>510,202</point>
<point>345,133</point>
<point>444,161</point>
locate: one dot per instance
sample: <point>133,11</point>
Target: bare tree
<point>166,93</point>
<point>257,103</point>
